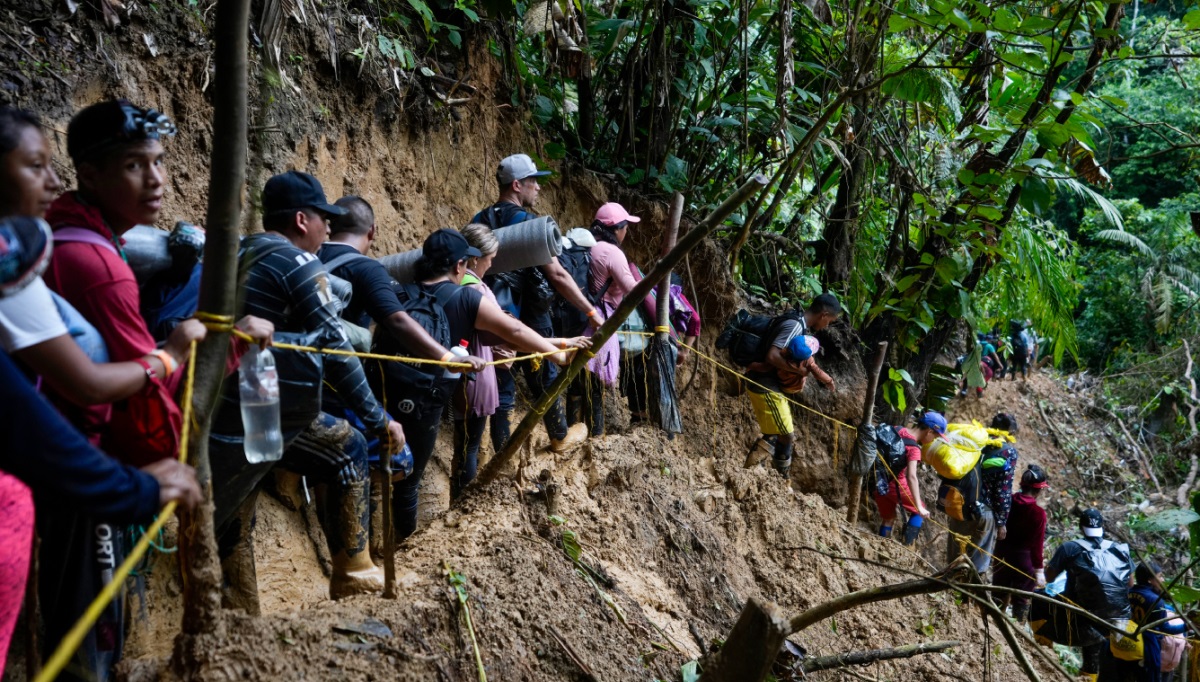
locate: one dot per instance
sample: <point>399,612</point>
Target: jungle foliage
<point>920,152</point>
<point>941,164</point>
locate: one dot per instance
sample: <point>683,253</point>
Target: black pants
<point>538,381</point>
<point>635,381</point>
<point>586,395</point>
<point>75,561</point>
<point>421,431</point>
<point>468,437</point>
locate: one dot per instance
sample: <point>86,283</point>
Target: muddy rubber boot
<point>348,522</point>
<point>782,461</point>
<point>762,448</point>
<point>288,488</point>
<point>239,587</point>
<point>575,436</point>
<point>377,482</point>
<point>1020,613</point>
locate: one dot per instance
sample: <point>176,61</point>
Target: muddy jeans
<point>982,532</point>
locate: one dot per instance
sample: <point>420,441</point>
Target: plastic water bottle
<point>259,385</point>
<point>459,351</point>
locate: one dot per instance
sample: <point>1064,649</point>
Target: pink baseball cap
<point>613,213</point>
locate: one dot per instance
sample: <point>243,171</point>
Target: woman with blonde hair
<point>476,400</point>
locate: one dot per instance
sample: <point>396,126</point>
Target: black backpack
<point>1098,579</point>
<point>892,448</point>
<point>747,337</point>
<point>419,385</point>
<point>568,321</point>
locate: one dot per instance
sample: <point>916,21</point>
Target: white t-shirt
<point>29,317</point>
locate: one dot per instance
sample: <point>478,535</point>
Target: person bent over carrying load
<point>971,522</point>
<point>775,363</point>
<point>897,483</point>
<point>1099,575</point>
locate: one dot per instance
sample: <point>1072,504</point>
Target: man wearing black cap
<point>1099,575</point>
<point>517,177</point>
<point>285,283</point>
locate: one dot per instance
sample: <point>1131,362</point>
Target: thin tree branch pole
<point>820,663</point>
<point>218,295</point>
<point>664,288</point>
<point>1047,658</point>
<point>801,149</point>
<point>1181,496</point>
<point>1143,460</point>
<point>856,479</point>
<point>868,596</point>
<point>690,241</point>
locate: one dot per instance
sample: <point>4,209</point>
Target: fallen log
<point>812,665</point>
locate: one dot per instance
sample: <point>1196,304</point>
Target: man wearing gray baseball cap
<point>534,290</point>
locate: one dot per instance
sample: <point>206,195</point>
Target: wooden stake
<point>856,472</point>
<point>690,241</point>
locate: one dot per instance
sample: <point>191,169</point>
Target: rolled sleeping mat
<point>146,249</point>
<point>533,242</point>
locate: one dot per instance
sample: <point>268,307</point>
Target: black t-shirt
<point>461,310</point>
<point>374,296</point>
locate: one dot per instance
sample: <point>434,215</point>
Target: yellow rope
<point>74,638</point>
<point>224,323</point>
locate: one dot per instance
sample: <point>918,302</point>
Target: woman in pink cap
<point>612,281</point>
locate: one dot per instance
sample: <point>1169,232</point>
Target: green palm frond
<point>1128,239</point>
<point>1038,279</point>
<point>1163,304</point>
<point>1111,213</point>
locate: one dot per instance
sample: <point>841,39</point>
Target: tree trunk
<point>842,228</point>
<point>218,296</point>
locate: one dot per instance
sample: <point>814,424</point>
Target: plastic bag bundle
<point>864,450</point>
<point>953,455</point>
<point>979,434</point>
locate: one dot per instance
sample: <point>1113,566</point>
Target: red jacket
<point>101,286</point>
<point>1026,532</point>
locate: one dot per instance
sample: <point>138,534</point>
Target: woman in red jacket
<point>1019,553</point>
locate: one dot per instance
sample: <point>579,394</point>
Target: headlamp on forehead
<point>107,125</point>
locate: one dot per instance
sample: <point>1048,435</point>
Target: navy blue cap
<point>447,247</point>
<point>293,191</point>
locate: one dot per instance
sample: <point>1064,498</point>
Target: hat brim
<point>539,174</point>
<point>473,252</point>
<point>632,219</point>
<point>330,209</point>
<point>1040,486</point>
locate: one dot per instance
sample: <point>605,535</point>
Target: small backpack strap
<point>343,259</point>
<point>83,235</point>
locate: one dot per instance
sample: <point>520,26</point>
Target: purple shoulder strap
<point>79,234</point>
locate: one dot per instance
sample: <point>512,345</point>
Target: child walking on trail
<point>771,409</point>
<point>904,490</point>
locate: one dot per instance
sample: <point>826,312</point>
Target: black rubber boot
<point>911,533</point>
<point>1020,613</point>
<point>782,461</point>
